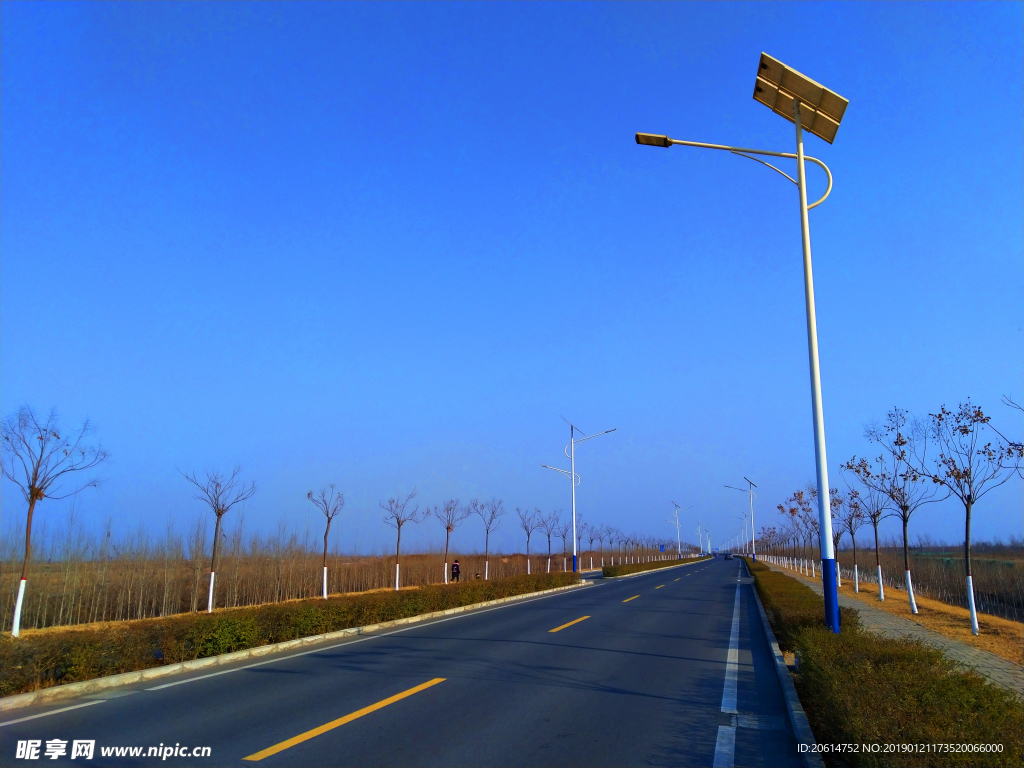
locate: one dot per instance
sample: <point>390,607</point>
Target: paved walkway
<point>997,669</point>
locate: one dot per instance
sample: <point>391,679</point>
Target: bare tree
<point>330,503</point>
<point>564,532</point>
<point>549,523</point>
<point>592,533</point>
<point>220,493</point>
<point>451,516</point>
<point>851,518</point>
<point>490,513</point>
<point>873,506</point>
<point>904,483</point>
<point>42,461</point>
<point>969,466</point>
<point>529,522</point>
<point>397,516</point>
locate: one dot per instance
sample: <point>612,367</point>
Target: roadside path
<point>994,668</point>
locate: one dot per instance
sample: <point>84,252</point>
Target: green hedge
<point>52,657</point>
<point>623,570</point>
<point>861,688</point>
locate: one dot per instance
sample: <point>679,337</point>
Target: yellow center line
<point>577,621</point>
<point>634,597</point>
<point>340,721</point>
<point>659,586</point>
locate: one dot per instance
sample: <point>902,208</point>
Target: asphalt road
<point>641,680</point>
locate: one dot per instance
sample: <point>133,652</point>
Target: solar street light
<point>812,107</point>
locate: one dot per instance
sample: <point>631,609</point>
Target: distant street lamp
<point>750,491</point>
<point>675,519</point>
<point>815,108</point>
<point>570,454</point>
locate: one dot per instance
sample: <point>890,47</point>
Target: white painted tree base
<point>970,604</point>
<point>881,587</point>
<point>209,599</point>
<point>16,627</point>
<point>910,593</point>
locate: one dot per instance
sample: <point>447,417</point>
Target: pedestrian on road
<point>455,571</point>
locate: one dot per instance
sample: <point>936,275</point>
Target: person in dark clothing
<point>455,571</point>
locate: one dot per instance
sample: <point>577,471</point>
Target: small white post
<point>396,577</point>
<point>209,600</point>
<point>881,588</point>
<point>910,594</point>
<point>970,604</point>
<point>325,582</point>
<point>16,629</point>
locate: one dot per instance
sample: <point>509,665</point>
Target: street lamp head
<point>778,87</point>
<point>653,140</point>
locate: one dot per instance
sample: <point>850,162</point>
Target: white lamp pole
<point>570,454</point>
<point>814,108</point>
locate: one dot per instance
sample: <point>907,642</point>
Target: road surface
<point>632,671</point>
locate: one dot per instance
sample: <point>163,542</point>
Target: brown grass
<point>1002,637</point>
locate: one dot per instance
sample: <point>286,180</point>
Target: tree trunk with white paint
<point>16,628</point>
<point>967,567</point>
<point>881,587</point>
<point>209,599</point>
<point>970,604</point>
<point>396,577</point>
<point>856,579</point>
<point>325,582</point>
<point>910,593</point>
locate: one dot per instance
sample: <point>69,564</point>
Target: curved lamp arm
<point>565,472</point>
<point>665,141</point>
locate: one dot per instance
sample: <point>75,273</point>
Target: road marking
<point>51,712</point>
<point>677,579</point>
<point>732,662</point>
<point>360,639</point>
<point>577,621</point>
<point>725,747</point>
<point>659,586</point>
<point>340,721</point>
<point>634,597</point>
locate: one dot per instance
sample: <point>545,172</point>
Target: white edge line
<point>51,712</point>
<point>418,625</point>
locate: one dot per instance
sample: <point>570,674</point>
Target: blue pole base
<point>828,582</point>
<point>574,564</point>
<point>754,557</point>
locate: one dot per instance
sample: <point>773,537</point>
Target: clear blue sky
<point>389,245</point>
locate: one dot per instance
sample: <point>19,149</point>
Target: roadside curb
<point>99,684</point>
<point>797,716</point>
<point>658,570</point>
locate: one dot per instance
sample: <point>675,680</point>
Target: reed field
<point>938,572</point>
<point>78,578</point>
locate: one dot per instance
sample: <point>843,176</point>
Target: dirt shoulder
<point>1000,636</point>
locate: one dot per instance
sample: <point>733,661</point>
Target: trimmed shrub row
<point>861,688</point>
<point>623,570</point>
<point>52,657</point>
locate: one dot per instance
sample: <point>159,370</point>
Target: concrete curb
<point>70,690</point>
<point>797,716</point>
<point>656,570</point>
